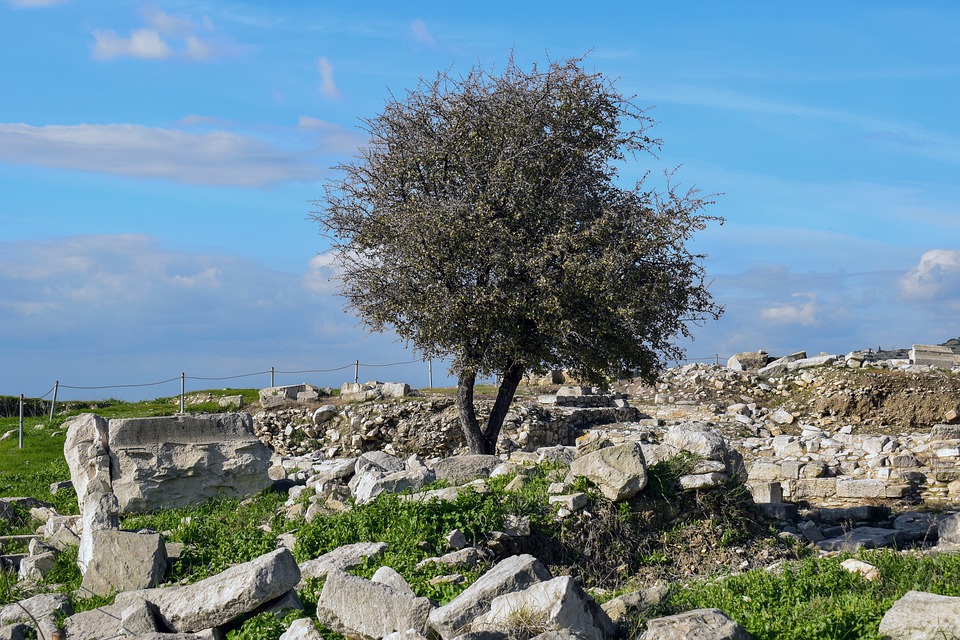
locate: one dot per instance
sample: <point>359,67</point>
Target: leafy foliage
<point>485,222</point>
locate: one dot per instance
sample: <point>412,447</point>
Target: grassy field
<point>812,597</point>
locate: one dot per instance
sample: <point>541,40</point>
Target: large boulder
<point>919,615</point>
<point>220,598</point>
<point>620,472</point>
<point>511,574</point>
<point>176,461</point>
<point>359,607</point>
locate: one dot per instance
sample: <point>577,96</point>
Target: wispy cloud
<point>217,157</point>
<point>328,88</point>
<point>870,131</point>
<point>30,4</point>
<point>164,36</point>
<point>421,34</point>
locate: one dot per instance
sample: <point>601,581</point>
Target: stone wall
<point>846,468</point>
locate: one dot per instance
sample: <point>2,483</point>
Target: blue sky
<point>158,163</point>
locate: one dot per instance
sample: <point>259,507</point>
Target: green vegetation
<point>614,548</point>
<point>817,598</point>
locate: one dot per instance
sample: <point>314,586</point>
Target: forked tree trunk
<point>485,440</point>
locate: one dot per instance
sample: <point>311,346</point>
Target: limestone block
<point>378,461</point>
<point>511,574</point>
<point>469,556</point>
<point>324,414</point>
<point>851,488</point>
<point>699,440</point>
<point>949,529</point>
<point>98,512</point>
<point>176,461</point>
<point>102,623</point>
<point>341,559</point>
<point>123,561</point>
<point>764,471</point>
<point>389,576</point>
<point>569,501</point>
<point>619,472</point>
<point>815,488</point>
<point>915,526</point>
<point>559,603</point>
<point>46,609</point>
<point>860,538</point>
<point>699,624</point>
<point>697,481</point>
<point>766,492</point>
<point>866,570</point>
<point>347,601</point>
<point>86,453</point>
<point>919,615</point>
<point>36,567</point>
<point>395,389</point>
<point>221,598</point>
<point>459,470</point>
<point>301,629</point>
<point>372,483</point>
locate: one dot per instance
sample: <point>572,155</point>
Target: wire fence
<point>37,404</point>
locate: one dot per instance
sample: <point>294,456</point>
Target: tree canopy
<point>484,222</point>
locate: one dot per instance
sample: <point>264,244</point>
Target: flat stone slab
<point>861,538</point>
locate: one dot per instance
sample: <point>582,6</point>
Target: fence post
<point>183,383</point>
<point>21,422</point>
<point>430,370</point>
<point>271,377</point>
<point>53,405</point>
<point>356,372</point>
<point>718,358</point>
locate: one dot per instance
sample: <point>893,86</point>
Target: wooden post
<point>183,387</point>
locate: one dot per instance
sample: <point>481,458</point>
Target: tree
<point>484,222</point>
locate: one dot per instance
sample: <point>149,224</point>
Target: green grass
<point>818,598</point>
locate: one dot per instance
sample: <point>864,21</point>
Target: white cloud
<point>803,313</point>
<point>935,278</point>
<point>142,43</point>
<point>214,158</point>
<point>420,33</point>
<point>321,276</point>
<point>166,36</point>
<point>328,88</point>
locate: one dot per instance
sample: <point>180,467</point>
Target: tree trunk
<point>468,415</point>
<point>485,440</point>
<point>508,388</point>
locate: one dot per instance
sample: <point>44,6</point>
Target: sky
<point>159,164</point>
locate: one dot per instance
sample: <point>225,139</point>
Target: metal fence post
<point>183,382</point>
<point>430,370</point>
<point>21,422</point>
<point>356,372</point>
<point>271,377</point>
<point>53,405</point>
